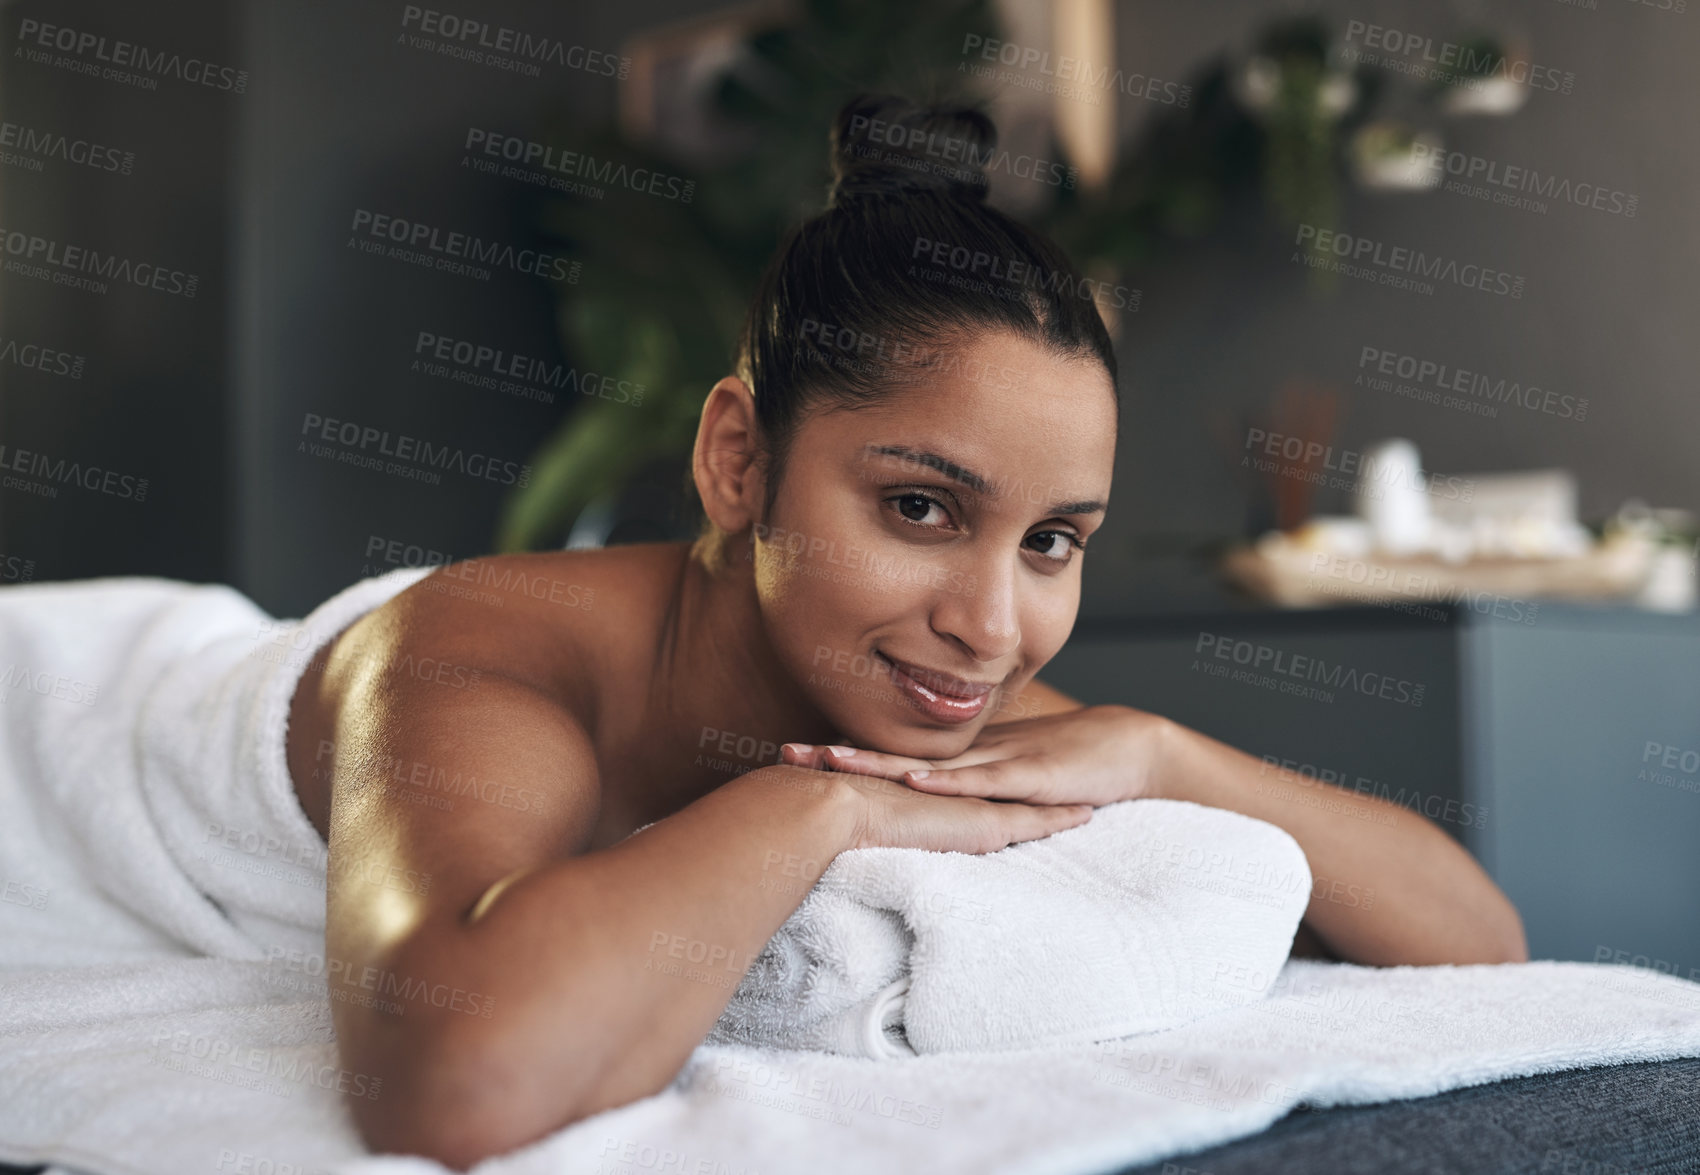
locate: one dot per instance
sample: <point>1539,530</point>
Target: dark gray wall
<point>355,117</point>
<point>150,397</point>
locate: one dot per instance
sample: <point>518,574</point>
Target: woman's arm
<point>1388,886</point>
<point>574,981</point>
<point>520,983</point>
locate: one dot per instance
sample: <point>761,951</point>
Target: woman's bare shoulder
<point>574,627</point>
<point>551,619</point>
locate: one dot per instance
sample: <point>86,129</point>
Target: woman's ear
<point>724,464</point>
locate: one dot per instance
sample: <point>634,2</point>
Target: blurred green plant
<point>667,282</point>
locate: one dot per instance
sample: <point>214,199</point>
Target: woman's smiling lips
<point>941,696</point>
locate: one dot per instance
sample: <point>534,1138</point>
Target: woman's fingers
<point>894,815</point>
<point>853,760</point>
<point>1036,821</point>
<point>1022,778</point>
<point>803,755</point>
<point>875,762</point>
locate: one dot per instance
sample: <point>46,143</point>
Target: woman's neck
<point>717,681</point>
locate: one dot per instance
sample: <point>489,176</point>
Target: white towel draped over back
<point>146,807</point>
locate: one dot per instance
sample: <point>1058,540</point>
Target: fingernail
<point>842,752</point>
<point>798,748</point>
<point>918,775</point>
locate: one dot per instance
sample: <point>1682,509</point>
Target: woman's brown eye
<point>1060,554</point>
<point>918,503</point>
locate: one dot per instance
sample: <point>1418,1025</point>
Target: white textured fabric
<point>146,807</point>
<point>179,1066</point>
<point>1141,919</point>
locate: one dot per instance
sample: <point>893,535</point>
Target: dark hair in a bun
<point>884,146</point>
<point>908,182</point>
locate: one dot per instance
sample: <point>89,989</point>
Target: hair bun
<point>886,146</point>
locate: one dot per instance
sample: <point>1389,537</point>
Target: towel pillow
<point>1153,914</point>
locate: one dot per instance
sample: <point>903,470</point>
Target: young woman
<point>899,485</point>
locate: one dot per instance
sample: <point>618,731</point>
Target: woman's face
<point>921,562</point>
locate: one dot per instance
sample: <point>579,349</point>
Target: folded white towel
<point>146,807</point>
<point>1139,920</point>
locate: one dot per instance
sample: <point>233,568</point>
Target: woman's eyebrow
<point>972,480</point>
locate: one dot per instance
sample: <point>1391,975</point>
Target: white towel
<point>146,807</point>
<point>204,1066</point>
<point>1138,920</point>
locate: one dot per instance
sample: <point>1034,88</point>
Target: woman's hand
<point>891,815</point>
<point>1097,755</point>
